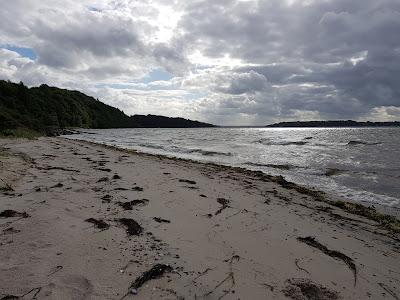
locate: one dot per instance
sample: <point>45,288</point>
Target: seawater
<point>360,164</point>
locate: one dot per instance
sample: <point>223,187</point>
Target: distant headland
<point>338,123</point>
<point>46,109</point>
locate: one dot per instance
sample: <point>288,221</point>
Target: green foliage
<point>44,108</point>
<point>20,133</point>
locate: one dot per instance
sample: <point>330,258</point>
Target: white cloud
<point>232,61</point>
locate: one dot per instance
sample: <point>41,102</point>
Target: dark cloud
<point>337,58</point>
<point>237,61</point>
<point>63,44</point>
<point>242,83</point>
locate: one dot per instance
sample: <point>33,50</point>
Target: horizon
<point>244,125</point>
<point>236,63</point>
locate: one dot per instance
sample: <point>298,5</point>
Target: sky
<point>228,62</point>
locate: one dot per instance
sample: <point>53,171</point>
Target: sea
<point>358,164</point>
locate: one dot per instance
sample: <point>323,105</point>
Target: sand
<point>217,232</point>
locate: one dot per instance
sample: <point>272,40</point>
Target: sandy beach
<point>84,221</point>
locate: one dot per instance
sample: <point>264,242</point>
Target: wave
<point>353,143</point>
<point>268,142</point>
<point>177,150</point>
<point>209,153</point>
<point>151,146</point>
<point>275,166</point>
<point>333,172</point>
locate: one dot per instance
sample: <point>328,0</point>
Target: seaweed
<point>11,230</point>
<point>187,181</point>
<point>47,168</point>
<point>390,291</point>
<point>55,270</point>
<point>120,189</point>
<point>155,272</point>
<point>103,179</point>
<point>132,227</point>
<point>296,262</point>
<point>317,195</point>
<point>98,223</point>
<point>229,277</point>
<point>305,289</point>
<point>129,205</point>
<point>7,187</point>
<point>388,222</point>
<point>13,297</point>
<point>161,220</point>
<point>225,204</point>
<point>9,213</point>
<point>104,169</point>
<point>58,185</point>
<point>106,198</point>
<point>311,241</point>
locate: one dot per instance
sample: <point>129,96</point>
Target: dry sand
<point>230,235</point>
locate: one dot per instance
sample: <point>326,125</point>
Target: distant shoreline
<point>334,124</point>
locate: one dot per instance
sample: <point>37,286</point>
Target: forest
<point>46,108</point>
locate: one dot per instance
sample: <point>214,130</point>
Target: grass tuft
<point>6,187</point>
<point>20,133</point>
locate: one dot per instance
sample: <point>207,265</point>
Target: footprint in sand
<point>68,287</point>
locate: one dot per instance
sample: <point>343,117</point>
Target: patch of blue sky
<point>196,95</point>
<point>120,86</point>
<point>95,9</point>
<point>157,75</point>
<point>155,80</point>
<point>24,52</point>
<point>152,86</point>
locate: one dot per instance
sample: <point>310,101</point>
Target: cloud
<point>230,61</point>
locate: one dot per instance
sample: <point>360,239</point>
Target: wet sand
<point>83,221</point>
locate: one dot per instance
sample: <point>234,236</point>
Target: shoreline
<point>210,231</point>
<point>317,165</point>
<point>319,195</point>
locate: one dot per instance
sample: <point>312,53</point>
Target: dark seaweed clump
<point>137,189</point>
<point>155,272</point>
<point>106,198</point>
<point>388,222</point>
<point>132,227</point>
<point>161,220</point>
<point>187,181</point>
<point>129,205</point>
<point>103,179</point>
<point>9,213</point>
<point>98,223</point>
<point>225,204</point>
